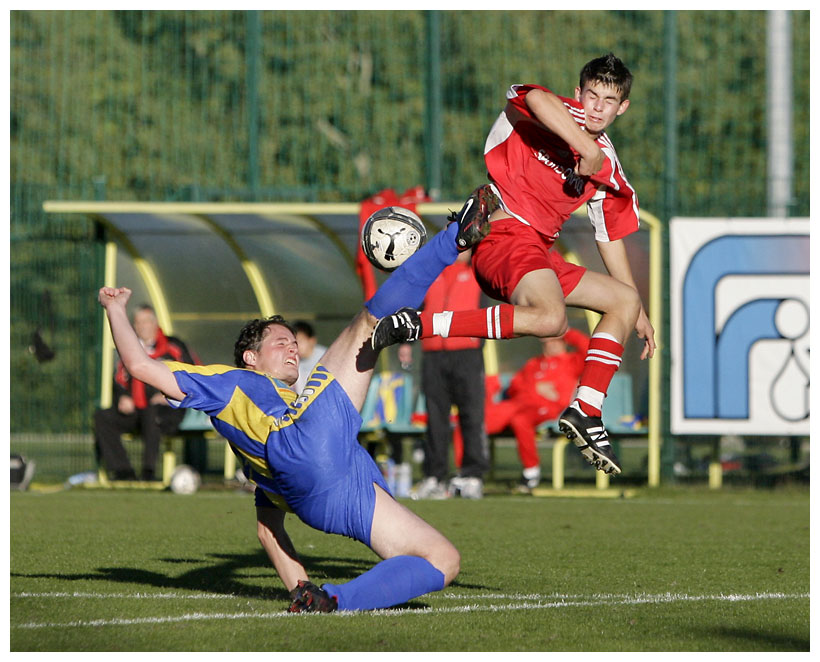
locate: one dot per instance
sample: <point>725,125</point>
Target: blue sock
<point>391,582</point>
<point>409,283</point>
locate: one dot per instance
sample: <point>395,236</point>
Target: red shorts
<point>512,250</point>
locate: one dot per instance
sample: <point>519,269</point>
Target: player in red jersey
<point>546,156</point>
<point>538,392</point>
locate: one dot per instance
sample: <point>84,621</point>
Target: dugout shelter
<point>207,268</point>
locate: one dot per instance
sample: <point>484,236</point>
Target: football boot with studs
<point>590,436</point>
<point>307,597</point>
<point>402,326</point>
<point>474,218</point>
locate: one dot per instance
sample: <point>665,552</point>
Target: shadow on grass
<point>218,573</point>
<point>246,575</point>
<point>745,639</point>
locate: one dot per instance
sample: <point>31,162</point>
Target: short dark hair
<point>251,335</point>
<point>305,327</point>
<point>609,70</point>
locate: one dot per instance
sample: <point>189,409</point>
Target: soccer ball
<point>390,236</point>
<point>185,480</point>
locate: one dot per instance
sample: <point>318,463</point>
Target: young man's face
<point>277,356</point>
<point>602,104</point>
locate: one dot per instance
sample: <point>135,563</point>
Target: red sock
<point>493,322</point>
<point>602,361</point>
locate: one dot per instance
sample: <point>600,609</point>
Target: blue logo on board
<point>716,375</point>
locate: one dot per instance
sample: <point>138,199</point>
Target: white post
<point>780,158</point>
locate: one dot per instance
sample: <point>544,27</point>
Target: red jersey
<point>560,372</point>
<point>166,348</point>
<point>532,170</point>
<point>455,289</point>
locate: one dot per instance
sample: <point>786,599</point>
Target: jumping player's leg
<point>526,280</point>
<point>418,559</point>
<point>620,306</point>
<point>619,303</point>
<point>581,422</point>
<point>537,309</point>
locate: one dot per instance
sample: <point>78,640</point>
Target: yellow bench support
<point>558,457</point>
<point>602,488</point>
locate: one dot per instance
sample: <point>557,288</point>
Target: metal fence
<point>333,106</point>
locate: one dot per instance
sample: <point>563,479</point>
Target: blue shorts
<point>325,475</point>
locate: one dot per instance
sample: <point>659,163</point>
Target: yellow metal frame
<point>251,269</point>
<point>155,293</point>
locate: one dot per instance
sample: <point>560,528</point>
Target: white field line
<point>530,602</point>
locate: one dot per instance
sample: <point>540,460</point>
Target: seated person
<point>537,393</point>
<point>139,407</point>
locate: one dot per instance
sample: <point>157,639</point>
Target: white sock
<point>441,323</point>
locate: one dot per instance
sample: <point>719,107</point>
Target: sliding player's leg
<point>418,559</point>
<point>350,358</point>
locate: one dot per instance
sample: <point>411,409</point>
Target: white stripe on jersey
<point>501,130</point>
<point>604,138</point>
<point>595,214</point>
<point>577,113</point>
<point>609,153</point>
<point>513,91</point>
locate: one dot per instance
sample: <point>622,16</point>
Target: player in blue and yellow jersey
<point>302,452</point>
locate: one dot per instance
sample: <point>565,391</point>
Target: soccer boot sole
<point>592,455</point>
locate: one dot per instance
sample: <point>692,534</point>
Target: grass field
<point>668,570</point>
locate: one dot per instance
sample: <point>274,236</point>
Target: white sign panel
<point>739,292</point>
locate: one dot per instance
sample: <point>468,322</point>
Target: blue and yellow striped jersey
<point>246,407</point>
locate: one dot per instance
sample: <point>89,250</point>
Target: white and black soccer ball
<point>390,236</point>
<point>185,480</point>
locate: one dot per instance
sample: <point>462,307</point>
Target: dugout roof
<point>208,267</point>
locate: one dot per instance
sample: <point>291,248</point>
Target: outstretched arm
<point>134,357</point>
<point>613,253</point>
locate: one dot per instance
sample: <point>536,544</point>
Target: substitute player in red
<point>538,392</point>
<point>546,156</point>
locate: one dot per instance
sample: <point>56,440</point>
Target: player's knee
<point>550,323</point>
<point>448,561</point>
<point>631,304</point>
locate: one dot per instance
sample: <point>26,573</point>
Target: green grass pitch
<point>666,570</point>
